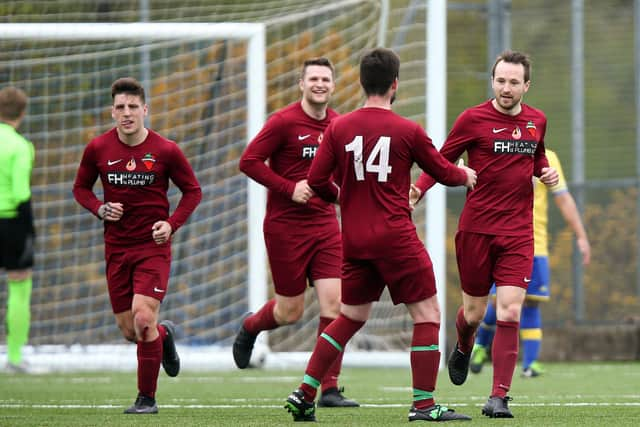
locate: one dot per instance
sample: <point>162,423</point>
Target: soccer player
<point>372,150</point>
<point>135,165</point>
<point>504,141</point>
<point>538,289</point>
<point>301,232</point>
<point>17,232</point>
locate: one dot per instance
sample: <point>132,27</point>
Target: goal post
<point>253,34</point>
<point>210,87</point>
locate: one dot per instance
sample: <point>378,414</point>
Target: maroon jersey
<point>506,152</point>
<point>372,151</point>
<point>138,177</point>
<point>289,141</point>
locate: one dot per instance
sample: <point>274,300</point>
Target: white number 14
<point>381,151</point>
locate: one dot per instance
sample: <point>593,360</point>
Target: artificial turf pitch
<point>569,394</point>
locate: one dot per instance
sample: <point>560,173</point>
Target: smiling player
<point>301,231</point>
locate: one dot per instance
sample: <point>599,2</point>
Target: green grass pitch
<point>569,394</point>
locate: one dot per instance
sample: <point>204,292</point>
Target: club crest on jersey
<point>516,134</point>
<point>531,127</point>
<point>320,138</point>
<point>149,160</point>
<point>309,151</point>
<point>131,164</point>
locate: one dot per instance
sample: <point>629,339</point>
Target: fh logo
<point>309,151</point>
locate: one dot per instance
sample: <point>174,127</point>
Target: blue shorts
<point>538,289</point>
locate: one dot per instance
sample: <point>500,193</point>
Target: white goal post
<point>209,87</point>
<point>255,36</point>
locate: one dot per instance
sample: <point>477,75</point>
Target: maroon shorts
<point>297,257</point>
<point>485,258</point>
<point>142,269</point>
<point>409,279</point>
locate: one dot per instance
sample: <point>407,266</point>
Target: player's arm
<point>569,211</point>
<point>541,167</point>
<point>182,175</point>
<point>319,177</point>
<point>85,179</point>
<point>252,162</point>
<point>454,146</point>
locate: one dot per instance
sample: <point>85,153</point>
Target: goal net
<point>210,87</point>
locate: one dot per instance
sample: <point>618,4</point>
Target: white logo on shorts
<point>158,290</point>
<point>527,280</point>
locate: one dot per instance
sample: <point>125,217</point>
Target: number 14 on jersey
<point>380,152</point>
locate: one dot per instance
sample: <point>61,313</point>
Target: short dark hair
<point>127,85</point>
<point>514,57</point>
<point>13,103</point>
<point>379,68</point>
<point>321,61</point>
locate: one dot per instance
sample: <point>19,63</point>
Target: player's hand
<point>111,211</point>
<point>161,232</point>
<point>549,176</point>
<point>414,196</point>
<point>472,177</point>
<point>585,250</point>
<point>302,193</point>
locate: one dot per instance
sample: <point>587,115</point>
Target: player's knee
<point>18,275</point>
<point>143,320</point>
<point>332,306</point>
<point>511,313</point>
<point>128,333</point>
<point>473,315</point>
<point>289,313</point>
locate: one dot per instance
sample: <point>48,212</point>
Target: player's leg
<point>325,270</point>
<point>328,292</point>
<point>149,277</point>
<point>531,319</point>
<point>512,273</point>
<point>531,336</point>
<point>425,361</point>
<point>18,317</point>
<point>16,256</point>
<point>475,281</point>
<point>149,353</point>
<point>289,255</point>
<point>484,337</point>
<point>364,287</point>
<point>329,347</point>
<point>411,281</point>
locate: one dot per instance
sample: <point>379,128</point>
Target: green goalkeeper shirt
<point>16,162</point>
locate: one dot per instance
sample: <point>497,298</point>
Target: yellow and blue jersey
<point>541,205</point>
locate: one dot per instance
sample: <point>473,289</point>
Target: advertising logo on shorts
<point>149,160</point>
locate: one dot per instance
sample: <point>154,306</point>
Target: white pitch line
<point>382,405</point>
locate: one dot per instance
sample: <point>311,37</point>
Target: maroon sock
<point>149,359</point>
<point>163,332</point>
<point>263,320</point>
<point>330,379</point>
<point>504,354</point>
<point>425,360</point>
<point>328,347</point>
<point>466,332</point>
